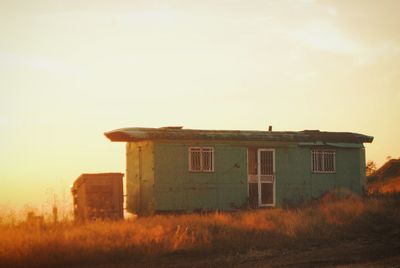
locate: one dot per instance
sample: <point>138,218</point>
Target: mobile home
<point>176,169</point>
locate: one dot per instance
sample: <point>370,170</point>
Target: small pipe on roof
<point>172,127</point>
<point>269,128</point>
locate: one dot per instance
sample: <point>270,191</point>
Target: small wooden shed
<point>98,196</point>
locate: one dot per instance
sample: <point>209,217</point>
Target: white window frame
<point>324,154</point>
<point>202,151</point>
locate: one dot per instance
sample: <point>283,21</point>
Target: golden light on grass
<point>341,207</point>
<point>138,239</point>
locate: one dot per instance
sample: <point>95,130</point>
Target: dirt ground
<point>356,253</point>
<point>350,254</point>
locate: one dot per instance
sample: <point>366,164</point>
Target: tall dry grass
<point>97,242</point>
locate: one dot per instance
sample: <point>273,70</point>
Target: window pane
<point>323,161</point>
<point>201,159</point>
<point>267,162</point>
<point>195,161</point>
<point>212,160</point>
<point>252,165</point>
<point>314,161</point>
<point>326,161</point>
<point>319,161</point>
<point>207,160</point>
<point>329,161</point>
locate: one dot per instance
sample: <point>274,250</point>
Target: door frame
<point>259,150</point>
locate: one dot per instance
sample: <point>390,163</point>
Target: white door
<point>266,177</point>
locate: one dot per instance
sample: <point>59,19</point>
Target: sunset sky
<point>71,70</point>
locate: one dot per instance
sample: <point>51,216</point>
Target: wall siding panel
<point>168,185</point>
<point>224,189</point>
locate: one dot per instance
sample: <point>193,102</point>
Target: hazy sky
<point>71,70</point>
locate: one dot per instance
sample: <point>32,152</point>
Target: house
<point>386,179</point>
<point>175,169</point>
<point>98,196</point>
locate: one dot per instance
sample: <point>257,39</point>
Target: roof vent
<point>172,127</point>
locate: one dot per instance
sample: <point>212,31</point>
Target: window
<point>252,161</point>
<point>323,161</point>
<point>201,159</point>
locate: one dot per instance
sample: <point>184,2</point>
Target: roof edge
<point>116,135</point>
<point>140,134</point>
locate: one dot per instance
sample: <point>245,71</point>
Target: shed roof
<point>390,169</point>
<point>96,176</point>
<point>178,133</point>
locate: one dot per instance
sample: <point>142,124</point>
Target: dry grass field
<point>337,230</point>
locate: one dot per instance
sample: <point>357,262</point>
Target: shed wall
<point>140,177</point>
<point>295,182</point>
<point>98,196</point>
<point>177,189</point>
<point>158,177</point>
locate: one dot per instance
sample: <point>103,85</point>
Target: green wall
<point>178,189</point>
<point>167,185</point>
<point>140,177</point>
<point>295,182</point>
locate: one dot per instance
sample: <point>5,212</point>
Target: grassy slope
<point>333,231</point>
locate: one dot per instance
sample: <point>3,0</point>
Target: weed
<point>67,243</point>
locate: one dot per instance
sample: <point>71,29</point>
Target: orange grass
<point>149,237</point>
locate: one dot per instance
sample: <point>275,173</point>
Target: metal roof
<point>178,133</point>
